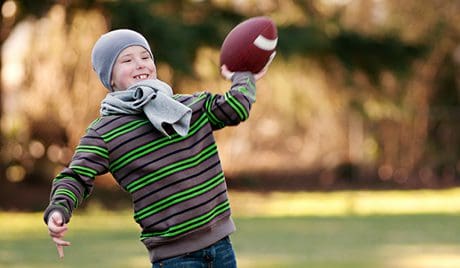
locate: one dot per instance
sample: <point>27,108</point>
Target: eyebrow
<point>131,54</point>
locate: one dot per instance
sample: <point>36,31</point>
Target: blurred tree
<point>356,86</point>
<point>11,12</point>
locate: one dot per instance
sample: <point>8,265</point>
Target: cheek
<point>154,71</point>
<point>124,71</point>
<point>122,78</point>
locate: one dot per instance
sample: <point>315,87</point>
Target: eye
<point>146,57</point>
<point>126,60</point>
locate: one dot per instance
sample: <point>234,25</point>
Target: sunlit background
<point>363,94</point>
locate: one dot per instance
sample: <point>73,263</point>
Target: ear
<point>112,85</point>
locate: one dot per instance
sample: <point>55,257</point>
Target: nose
<point>140,64</point>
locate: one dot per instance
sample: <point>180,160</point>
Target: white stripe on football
<point>264,43</point>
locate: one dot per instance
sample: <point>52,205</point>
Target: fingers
<point>261,74</point>
<point>57,235</point>
<point>272,56</point>
<point>226,72</point>
<point>57,229</point>
<point>57,218</point>
<point>264,70</point>
<point>60,244</point>
<point>56,224</point>
<point>60,250</point>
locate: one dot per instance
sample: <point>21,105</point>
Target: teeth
<point>141,76</point>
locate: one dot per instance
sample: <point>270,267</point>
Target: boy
<point>160,148</point>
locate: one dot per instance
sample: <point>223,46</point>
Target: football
<point>250,45</point>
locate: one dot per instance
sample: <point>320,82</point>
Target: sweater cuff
<point>247,81</point>
<point>60,209</point>
<point>241,76</point>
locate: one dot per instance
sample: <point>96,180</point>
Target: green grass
<point>110,239</point>
<point>349,241</point>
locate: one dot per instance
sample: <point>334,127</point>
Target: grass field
<point>415,229</point>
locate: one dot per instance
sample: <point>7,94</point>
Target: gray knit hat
<point>109,46</point>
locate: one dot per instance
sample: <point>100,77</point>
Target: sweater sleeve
<point>233,107</point>
<point>75,183</point>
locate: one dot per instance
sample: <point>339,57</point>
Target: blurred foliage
<point>362,93</point>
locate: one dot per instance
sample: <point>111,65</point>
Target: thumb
<point>226,72</point>
<point>57,218</point>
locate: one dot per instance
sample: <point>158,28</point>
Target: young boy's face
<point>132,65</point>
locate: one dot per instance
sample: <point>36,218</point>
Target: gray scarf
<point>154,98</point>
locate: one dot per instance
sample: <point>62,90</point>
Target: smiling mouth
<point>141,76</point>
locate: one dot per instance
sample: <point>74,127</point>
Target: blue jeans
<point>218,255</point>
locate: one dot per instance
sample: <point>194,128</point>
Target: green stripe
<point>137,153</point>
<point>122,127</point>
<point>243,90</point>
<point>173,168</point>
<point>246,92</point>
<point>93,149</point>
<point>150,147</point>
<point>212,117</point>
<point>191,224</point>
<point>199,98</point>
<point>114,133</point>
<point>249,82</point>
<point>62,177</point>
<point>236,105</point>
<point>179,197</point>
<point>59,178</point>
<point>86,171</point>
<point>69,194</point>
<point>93,123</point>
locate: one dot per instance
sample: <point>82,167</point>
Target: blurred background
<point>363,94</point>
<point>350,157</point>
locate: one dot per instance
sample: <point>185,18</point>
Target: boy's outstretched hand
<point>228,74</point>
<point>57,229</point>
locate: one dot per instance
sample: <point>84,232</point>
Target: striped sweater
<point>176,183</point>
